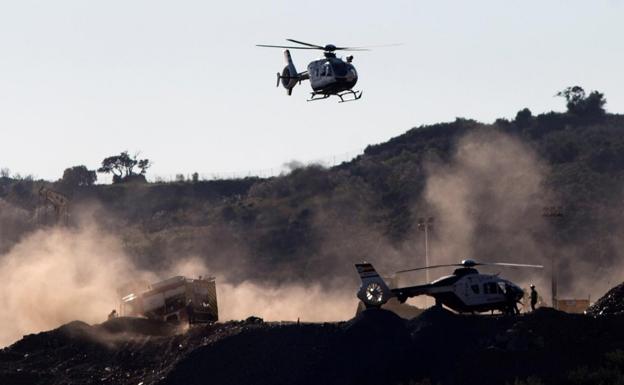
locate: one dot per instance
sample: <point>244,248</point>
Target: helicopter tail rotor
<point>289,76</point>
<point>373,291</point>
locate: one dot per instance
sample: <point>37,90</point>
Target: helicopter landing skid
<point>355,96</point>
<point>316,96</point>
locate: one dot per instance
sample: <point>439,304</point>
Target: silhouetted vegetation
<point>78,176</point>
<point>122,167</point>
<point>581,105</point>
<point>523,118</point>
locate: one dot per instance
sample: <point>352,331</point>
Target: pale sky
<point>182,82</point>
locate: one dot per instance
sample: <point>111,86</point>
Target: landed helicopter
<point>328,76</point>
<point>465,291</point>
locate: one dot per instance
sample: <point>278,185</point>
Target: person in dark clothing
<point>511,300</point>
<point>190,312</point>
<point>533,297</point>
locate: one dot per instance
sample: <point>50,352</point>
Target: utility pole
<point>426,224</point>
<point>553,212</point>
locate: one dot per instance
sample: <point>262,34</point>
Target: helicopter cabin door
<point>321,74</point>
<point>493,292</point>
<point>472,290</point>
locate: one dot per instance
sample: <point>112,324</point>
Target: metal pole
<point>427,251</point>
<point>553,212</point>
<point>425,224</point>
<point>555,305</point>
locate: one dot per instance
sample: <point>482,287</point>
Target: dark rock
<point>609,304</point>
<point>138,326</point>
<point>254,320</point>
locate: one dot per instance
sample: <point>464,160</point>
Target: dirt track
<point>377,347</point>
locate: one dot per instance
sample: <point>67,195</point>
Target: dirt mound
<point>433,315</point>
<point>376,347</point>
<point>138,326</point>
<point>403,310</point>
<point>375,321</point>
<point>609,304</point>
<point>373,348</point>
<point>56,337</point>
<point>263,354</point>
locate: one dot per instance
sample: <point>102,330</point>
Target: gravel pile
<point>609,304</point>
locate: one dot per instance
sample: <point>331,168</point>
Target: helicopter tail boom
<point>373,291</point>
<point>289,76</point>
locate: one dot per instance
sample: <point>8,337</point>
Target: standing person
<point>190,312</point>
<point>533,297</point>
<point>511,300</point>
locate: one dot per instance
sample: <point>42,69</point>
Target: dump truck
<point>176,299</point>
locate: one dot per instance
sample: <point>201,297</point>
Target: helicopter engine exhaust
<point>289,77</point>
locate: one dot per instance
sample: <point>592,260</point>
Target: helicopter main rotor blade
<point>350,49</point>
<point>282,46</point>
<point>511,264</point>
<point>308,44</point>
<point>429,267</point>
<point>367,47</point>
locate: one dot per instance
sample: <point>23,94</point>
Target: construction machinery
<point>58,201</point>
<point>176,299</point>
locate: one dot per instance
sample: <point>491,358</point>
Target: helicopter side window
<point>490,288</point>
<point>326,70</point>
<point>475,288</point>
<point>340,68</point>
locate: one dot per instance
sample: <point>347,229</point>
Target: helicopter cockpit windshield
<point>327,70</point>
<point>340,68</point>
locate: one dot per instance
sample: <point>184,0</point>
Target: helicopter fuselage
<point>331,75</point>
<point>467,291</point>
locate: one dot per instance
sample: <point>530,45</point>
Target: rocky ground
<point>376,347</point>
<point>609,304</point>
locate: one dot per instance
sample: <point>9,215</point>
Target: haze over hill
<point>284,247</point>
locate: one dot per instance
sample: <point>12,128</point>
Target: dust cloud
<point>487,203</point>
<point>58,275</point>
<point>310,302</point>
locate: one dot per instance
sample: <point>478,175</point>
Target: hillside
<point>486,186</point>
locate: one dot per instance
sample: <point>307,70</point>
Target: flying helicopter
<point>328,76</point>
<point>466,290</point>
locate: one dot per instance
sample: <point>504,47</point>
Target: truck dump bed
<point>175,299</point>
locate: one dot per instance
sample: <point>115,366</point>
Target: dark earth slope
<point>377,347</point>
